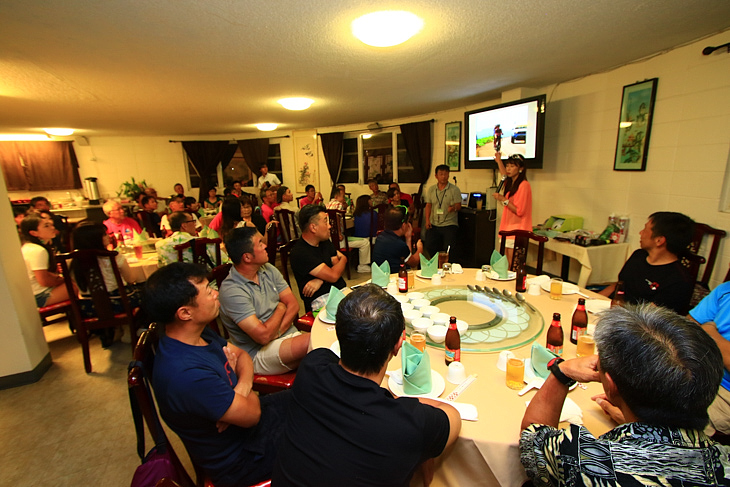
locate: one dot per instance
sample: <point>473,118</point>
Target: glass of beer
<point>418,340</point>
<point>586,346</point>
<point>556,288</point>
<point>515,373</point>
<point>411,279</point>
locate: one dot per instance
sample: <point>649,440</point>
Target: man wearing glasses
<point>183,230</point>
<point>118,222</point>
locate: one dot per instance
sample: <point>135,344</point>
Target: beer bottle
<point>579,324</point>
<point>619,295</point>
<point>555,336</point>
<point>452,345</point>
<point>521,281</point>
<point>402,277</point>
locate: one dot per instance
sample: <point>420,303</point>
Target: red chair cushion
<point>53,307</point>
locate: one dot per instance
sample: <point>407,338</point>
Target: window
<point>349,169</point>
<point>237,170</point>
<point>274,160</point>
<point>375,156</point>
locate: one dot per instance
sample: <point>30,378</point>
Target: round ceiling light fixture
<point>296,103</point>
<point>386,28</point>
<point>266,127</point>
<point>59,132</point>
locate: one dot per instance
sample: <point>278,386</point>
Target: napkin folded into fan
<point>498,263</point>
<point>539,358</point>
<point>208,232</point>
<point>380,274</point>
<point>333,301</point>
<point>139,238</point>
<point>429,267</point>
<point>416,367</point>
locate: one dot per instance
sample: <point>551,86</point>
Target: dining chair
<point>105,316</point>
<point>272,235</point>
<point>199,249</point>
<point>703,230</point>
<point>338,237</point>
<point>63,308</point>
<point>522,244</point>
<point>299,200</point>
<point>287,223</point>
<point>377,221</point>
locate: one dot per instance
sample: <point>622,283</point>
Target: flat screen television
<point>522,126</point>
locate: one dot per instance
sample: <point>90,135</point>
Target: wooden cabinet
<point>476,237</point>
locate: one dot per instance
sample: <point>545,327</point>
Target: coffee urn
<point>92,191</point>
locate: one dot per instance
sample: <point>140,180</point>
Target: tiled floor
<point>72,428</point>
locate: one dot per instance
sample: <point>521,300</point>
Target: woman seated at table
<point>213,201</point>
<point>36,234</point>
<point>90,235</point>
<point>362,216</point>
<point>250,217</point>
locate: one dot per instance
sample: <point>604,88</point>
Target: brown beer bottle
<point>521,281</point>
<point>402,277</point>
<point>555,336</point>
<point>452,345</point>
<point>579,324</point>
<point>619,295</point>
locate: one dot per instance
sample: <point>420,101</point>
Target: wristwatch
<point>505,202</point>
<point>554,367</point>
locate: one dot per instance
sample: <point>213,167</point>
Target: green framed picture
<point>634,128</point>
<point>452,151</point>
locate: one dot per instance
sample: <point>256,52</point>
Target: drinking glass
<point>586,346</point>
<point>411,279</point>
<point>556,288</point>
<point>515,373</point>
<point>138,251</point>
<point>443,259</point>
<point>418,340</point>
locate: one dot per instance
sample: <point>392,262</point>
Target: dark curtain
<point>205,156</point>
<point>417,139</point>
<point>39,166</point>
<point>255,152</point>
<point>332,150</point>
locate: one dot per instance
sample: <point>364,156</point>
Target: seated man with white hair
<point>118,223</point>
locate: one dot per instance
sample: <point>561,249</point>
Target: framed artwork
<point>452,151</point>
<point>305,159</point>
<point>634,126</point>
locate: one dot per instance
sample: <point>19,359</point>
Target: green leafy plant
<point>130,189</point>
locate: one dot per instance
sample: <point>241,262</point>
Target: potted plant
<point>128,190</point>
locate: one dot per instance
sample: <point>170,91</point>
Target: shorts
<point>267,360</point>
<point>719,412</point>
<point>509,242</point>
<point>41,298</point>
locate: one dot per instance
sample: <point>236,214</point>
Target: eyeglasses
<point>189,221</point>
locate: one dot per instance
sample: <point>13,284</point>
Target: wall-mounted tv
<point>521,125</point>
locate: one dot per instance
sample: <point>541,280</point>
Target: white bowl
<point>414,295</point>
<point>437,333</point>
<point>411,315</point>
<point>401,298</point>
<point>406,307</point>
<point>421,325</point>
<point>428,311</point>
<point>420,303</point>
<point>440,318</point>
<point>462,326</point>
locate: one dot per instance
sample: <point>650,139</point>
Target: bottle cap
<point>556,316</point>
<point>581,301</point>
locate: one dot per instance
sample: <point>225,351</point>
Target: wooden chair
<point>287,224</point>
<point>272,235</point>
<point>377,222</point>
<point>199,248</point>
<point>692,262</point>
<point>703,230</point>
<point>144,219</point>
<point>299,200</point>
<point>337,230</point>
<point>62,308</point>
<point>88,262</point>
<point>284,251</point>
<point>522,243</point>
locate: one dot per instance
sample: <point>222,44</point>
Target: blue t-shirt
<point>362,225</point>
<point>392,248</point>
<point>716,308</point>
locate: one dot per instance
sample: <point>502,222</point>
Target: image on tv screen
<point>518,127</point>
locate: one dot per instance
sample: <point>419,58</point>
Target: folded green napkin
<point>333,301</point>
<point>380,274</point>
<point>416,368</point>
<point>203,233</point>
<point>139,238</point>
<point>498,263</point>
<point>429,267</point>
<point>212,234</point>
<point>539,357</point>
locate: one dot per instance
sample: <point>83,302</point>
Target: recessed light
<point>296,103</point>
<point>386,28</point>
<point>266,127</point>
<point>59,132</point>
<point>366,136</point>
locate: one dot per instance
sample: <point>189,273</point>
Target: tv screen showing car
<point>513,128</point>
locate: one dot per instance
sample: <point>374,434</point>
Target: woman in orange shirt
<point>517,197</point>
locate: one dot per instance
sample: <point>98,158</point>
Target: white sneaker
<point>364,269</point>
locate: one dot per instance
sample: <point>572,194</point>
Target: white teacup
<point>420,303</point>
<point>440,319</point>
<point>436,280</point>
<point>429,310</point>
<point>456,373</point>
<point>480,276</point>
<point>534,289</point>
<point>504,356</point>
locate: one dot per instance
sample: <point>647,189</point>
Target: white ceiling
<point>184,67</point>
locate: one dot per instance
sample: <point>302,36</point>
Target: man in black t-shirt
<point>316,264</point>
<point>654,273</point>
<point>342,427</point>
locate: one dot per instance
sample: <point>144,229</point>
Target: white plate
<point>597,305</point>
<point>437,387</point>
<point>335,347</point>
<point>568,287</point>
<point>511,276</point>
<point>418,274</point>
<point>324,318</point>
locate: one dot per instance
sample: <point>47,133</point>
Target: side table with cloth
<point>487,451</point>
<point>599,264</point>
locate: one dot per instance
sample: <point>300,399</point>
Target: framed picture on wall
<point>634,127</point>
<point>452,151</point>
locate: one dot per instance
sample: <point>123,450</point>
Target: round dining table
<point>142,268</point>
<point>487,451</point>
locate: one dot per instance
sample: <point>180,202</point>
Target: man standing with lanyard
<point>443,201</point>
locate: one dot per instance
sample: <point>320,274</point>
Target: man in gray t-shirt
<point>443,201</point>
<point>258,306</point>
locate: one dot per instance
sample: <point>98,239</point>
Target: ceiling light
<point>59,132</point>
<point>366,136</point>
<point>296,103</point>
<point>22,137</point>
<point>386,28</point>
<point>266,127</point>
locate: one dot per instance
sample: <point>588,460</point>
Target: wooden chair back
<point>337,230</point>
<point>284,251</point>
<point>287,224</point>
<point>299,200</point>
<point>692,263</point>
<point>522,244</point>
<point>272,235</point>
<point>199,249</point>
<point>377,221</point>
<point>703,230</point>
<point>87,261</point>
<point>144,219</point>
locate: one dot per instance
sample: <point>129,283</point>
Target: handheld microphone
<point>501,184</point>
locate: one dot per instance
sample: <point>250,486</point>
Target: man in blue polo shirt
<point>395,242</point>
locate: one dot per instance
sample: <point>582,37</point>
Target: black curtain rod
<point>229,140</point>
<point>380,127</point>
